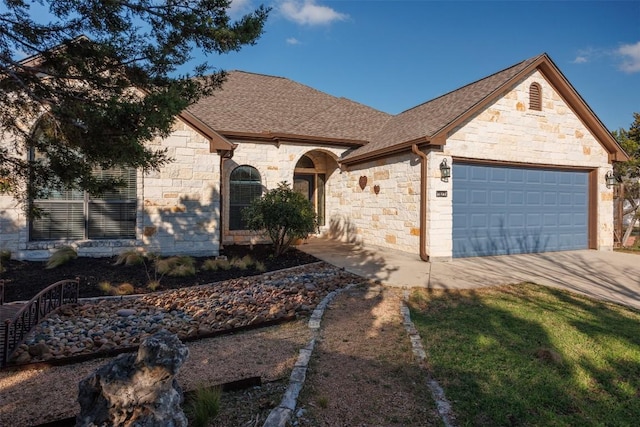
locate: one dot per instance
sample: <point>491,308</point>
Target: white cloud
<point>240,7</point>
<point>630,57</point>
<point>293,41</point>
<point>580,59</point>
<point>309,13</point>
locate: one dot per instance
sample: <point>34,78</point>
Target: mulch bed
<point>24,279</point>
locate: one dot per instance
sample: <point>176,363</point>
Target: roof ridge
<point>532,59</point>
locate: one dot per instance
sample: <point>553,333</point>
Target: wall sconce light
<point>445,171</point>
<point>610,179</point>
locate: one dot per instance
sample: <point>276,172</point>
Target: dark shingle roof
<point>256,103</point>
<point>427,119</point>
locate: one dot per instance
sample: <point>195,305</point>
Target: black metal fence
<point>48,300</point>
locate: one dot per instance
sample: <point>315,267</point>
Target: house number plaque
<point>441,194</point>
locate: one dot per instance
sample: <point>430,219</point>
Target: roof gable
<point>430,122</point>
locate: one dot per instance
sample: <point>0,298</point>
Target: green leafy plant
<point>203,406</point>
<point>61,256</point>
<point>283,215</point>
<point>106,287</point>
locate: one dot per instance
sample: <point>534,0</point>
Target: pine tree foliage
<point>99,80</point>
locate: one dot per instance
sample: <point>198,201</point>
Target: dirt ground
<point>363,371</point>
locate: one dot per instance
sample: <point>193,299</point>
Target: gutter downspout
<point>423,199</point>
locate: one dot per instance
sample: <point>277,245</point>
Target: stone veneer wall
<point>275,163</point>
<point>388,219</point>
<point>178,208</point>
<point>508,131</point>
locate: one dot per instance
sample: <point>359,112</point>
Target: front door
<point>312,187</point>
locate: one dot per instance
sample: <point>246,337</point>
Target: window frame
<point>238,202</point>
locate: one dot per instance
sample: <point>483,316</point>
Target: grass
<point>204,406</point>
<point>530,355</point>
<point>61,256</point>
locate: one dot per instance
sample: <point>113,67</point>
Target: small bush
<point>204,406</point>
<point>5,255</point>
<point>282,214</point>
<point>224,264</point>
<point>153,285</point>
<point>130,257</point>
<point>61,256</point>
<point>210,265</point>
<point>124,289</point>
<point>248,261</point>
<point>238,263</point>
<point>176,266</point>
<point>259,266</point>
<point>106,287</point>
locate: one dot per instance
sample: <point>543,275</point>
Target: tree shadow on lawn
<point>530,355</point>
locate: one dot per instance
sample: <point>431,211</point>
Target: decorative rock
<point>126,312</point>
<point>136,389</point>
<point>39,349</point>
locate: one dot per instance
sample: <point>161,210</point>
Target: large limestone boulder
<point>136,389</point>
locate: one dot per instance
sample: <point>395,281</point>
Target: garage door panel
<point>507,210</point>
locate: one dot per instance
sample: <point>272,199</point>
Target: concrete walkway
<point>612,276</point>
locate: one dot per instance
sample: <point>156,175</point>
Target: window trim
<point>234,219</point>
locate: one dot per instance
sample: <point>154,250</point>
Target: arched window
<point>535,97</point>
<point>244,187</point>
<point>74,214</point>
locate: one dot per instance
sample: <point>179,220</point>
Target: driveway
<point>611,276</point>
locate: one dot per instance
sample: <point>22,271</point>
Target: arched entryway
<point>310,178</point>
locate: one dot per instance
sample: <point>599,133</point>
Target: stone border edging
<point>442,403</point>
<point>280,415</point>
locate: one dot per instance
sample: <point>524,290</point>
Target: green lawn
<point>528,355</point>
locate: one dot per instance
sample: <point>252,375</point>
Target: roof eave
<point>278,137</point>
<point>217,142</point>
<point>365,157</point>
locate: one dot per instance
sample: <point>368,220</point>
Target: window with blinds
<point>75,215</point>
<point>535,97</point>
<point>244,187</point>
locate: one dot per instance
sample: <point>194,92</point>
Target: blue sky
<point>393,54</point>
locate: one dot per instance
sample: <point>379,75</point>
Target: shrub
<point>204,406</point>
<point>124,289</point>
<point>176,266</point>
<point>130,257</point>
<point>224,264</point>
<point>152,285</point>
<point>283,215</point>
<point>238,263</point>
<point>61,256</point>
<point>5,257</point>
<point>121,289</point>
<point>259,266</point>
<point>248,261</point>
<point>210,265</point>
<point>106,287</point>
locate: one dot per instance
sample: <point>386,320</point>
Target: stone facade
<point>275,163</point>
<point>388,218</point>
<point>183,208</point>
<point>178,208</point>
<point>507,131</point>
